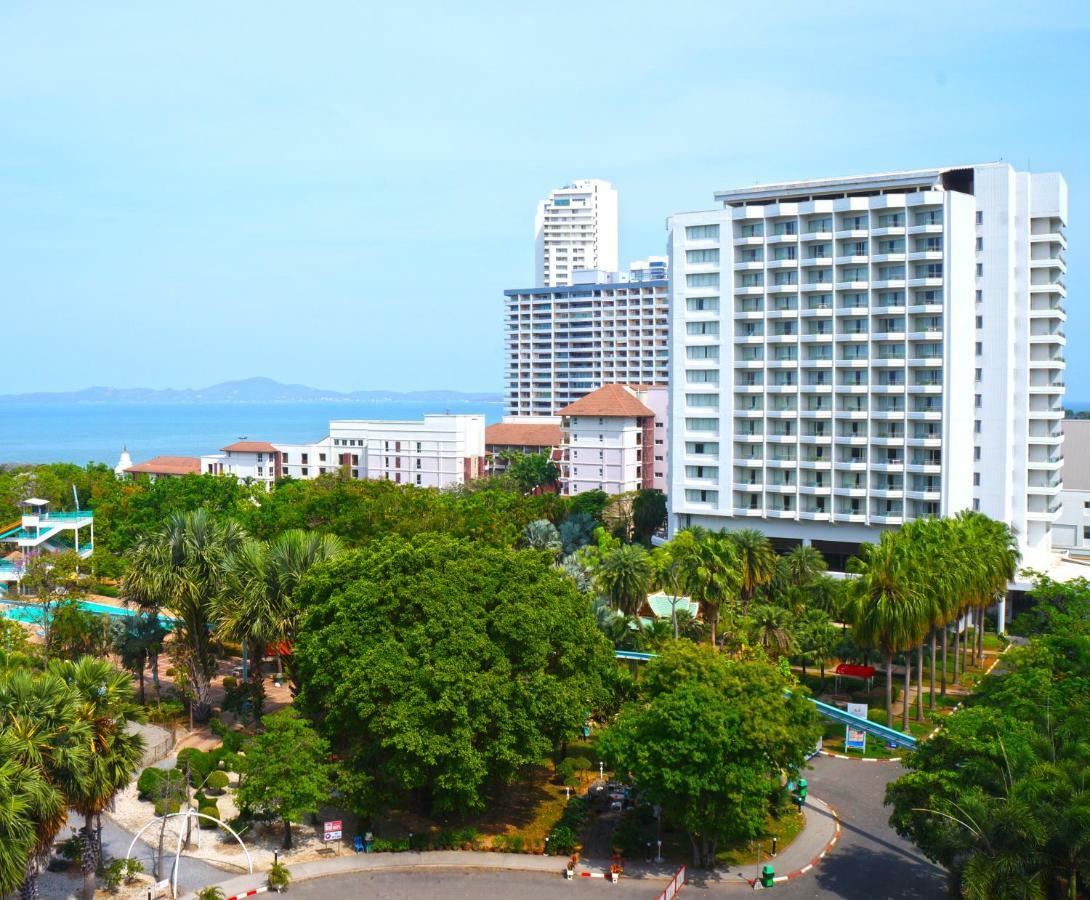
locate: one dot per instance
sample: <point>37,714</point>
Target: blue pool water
<point>29,613</point>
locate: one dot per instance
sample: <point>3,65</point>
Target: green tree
<point>53,579</point>
<point>624,575</point>
<point>286,771</point>
<point>712,575</point>
<point>183,568</point>
<point>772,629</point>
<point>439,668</point>
<point>648,513</point>
<point>756,562</point>
<point>258,605</point>
<point>106,706</point>
<point>49,737</point>
<point>541,534</point>
<point>709,740</point>
<point>138,640</point>
<point>23,794</point>
<point>886,611</point>
<point>531,471</point>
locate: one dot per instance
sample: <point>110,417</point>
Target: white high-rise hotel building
<point>575,228</point>
<point>850,354</point>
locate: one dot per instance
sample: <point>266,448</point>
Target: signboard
<point>855,738</point>
<point>331,831</point>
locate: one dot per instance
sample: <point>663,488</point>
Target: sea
<point>97,432</point>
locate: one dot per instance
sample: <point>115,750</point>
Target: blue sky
<point>336,194</point>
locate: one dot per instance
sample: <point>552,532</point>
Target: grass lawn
<point>786,829</point>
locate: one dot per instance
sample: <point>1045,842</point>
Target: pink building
<point>614,439</point>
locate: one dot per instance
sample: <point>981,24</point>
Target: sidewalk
<point>817,836</point>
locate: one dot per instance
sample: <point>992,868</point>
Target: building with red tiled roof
<point>615,440</point>
<point>521,434</point>
<point>166,467</point>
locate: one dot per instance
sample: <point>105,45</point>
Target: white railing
<point>675,885</point>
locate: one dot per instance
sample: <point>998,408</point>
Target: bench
<point>327,851</point>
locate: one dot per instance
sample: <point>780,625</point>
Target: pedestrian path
<point>818,835</point>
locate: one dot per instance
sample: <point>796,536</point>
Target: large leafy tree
<point>107,707</point>
<point>439,668</point>
<point>1000,796</point>
<point>531,471</point>
<point>286,770</point>
<point>709,740</point>
<point>648,513</point>
<point>183,568</point>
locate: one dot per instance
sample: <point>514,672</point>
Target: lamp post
<point>658,819</point>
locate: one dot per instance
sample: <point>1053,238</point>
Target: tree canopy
<point>438,667</point>
<point>708,741</point>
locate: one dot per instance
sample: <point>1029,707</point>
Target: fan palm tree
<point>886,609</point>
<point>541,534</point>
<point>183,568</point>
<point>258,604</point>
<point>756,562</point>
<point>803,564</point>
<point>624,576</point>
<point>23,792</point>
<point>771,628</point>
<point>712,576</point>
<point>670,562</point>
<point>48,737</point>
<point>106,705</point>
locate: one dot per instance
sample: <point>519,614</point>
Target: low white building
<point>614,440</point>
<point>1071,530</point>
<point>438,451</point>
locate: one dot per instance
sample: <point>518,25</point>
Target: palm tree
<point>106,705</point>
<point>803,565</point>
<point>711,576</point>
<point>137,642</point>
<point>541,534</point>
<point>624,575</point>
<point>258,605</point>
<point>886,609</point>
<point>771,626</point>
<point>23,792</point>
<point>48,737</point>
<point>183,568</point>
<point>670,562</point>
<point>756,561</point>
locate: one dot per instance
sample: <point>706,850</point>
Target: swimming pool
<point>31,613</point>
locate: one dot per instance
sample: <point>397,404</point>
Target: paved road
<point>870,861</point>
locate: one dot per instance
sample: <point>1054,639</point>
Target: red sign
<point>856,671</point>
<point>331,831</point>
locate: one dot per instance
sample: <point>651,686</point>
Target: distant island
<point>247,390</point>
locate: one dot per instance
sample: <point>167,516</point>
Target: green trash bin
<point>803,789</point>
<point>768,876</point>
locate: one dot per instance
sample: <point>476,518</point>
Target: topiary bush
<point>209,809</point>
<point>150,779</point>
<point>217,782</point>
<point>199,763</point>
<point>167,805</point>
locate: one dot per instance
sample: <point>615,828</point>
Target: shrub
<point>122,871</point>
<point>456,839</point>
<point>217,782</point>
<point>166,805</point>
<point>382,845</point>
<point>574,815</point>
<point>209,809</point>
<point>150,779</point>
<point>210,893</point>
<point>509,843</point>
<point>279,876</point>
<point>71,849</point>
<point>563,840</point>
<point>199,763</point>
<point>564,770</point>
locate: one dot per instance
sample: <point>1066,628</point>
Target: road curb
<point>860,758</point>
<point>798,873</point>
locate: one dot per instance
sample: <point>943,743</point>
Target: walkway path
<point>819,832</point>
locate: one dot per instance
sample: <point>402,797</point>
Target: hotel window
<point>786,228</point>
<point>749,279</point>
<point>979,321</point>
<point>980,243</point>
<point>976,479</point>
<point>891,220</point>
<point>418,480</point>
<point>702,328</point>
<point>702,424</point>
<point>702,376</point>
<point>702,256</point>
<point>304,471</point>
<point>933,217</point>
<point>979,270</point>
<point>702,352</point>
<point>702,232</point>
<point>702,304</point>
<point>321,457</point>
<point>701,496</point>
<point>702,279</point>
<point>979,217</point>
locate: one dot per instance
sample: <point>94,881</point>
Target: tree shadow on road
<point>878,875</point>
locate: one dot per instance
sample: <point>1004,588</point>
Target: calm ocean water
<point>93,432</point>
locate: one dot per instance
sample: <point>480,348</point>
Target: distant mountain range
<point>248,390</point>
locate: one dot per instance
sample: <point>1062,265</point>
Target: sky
<point>338,194</point>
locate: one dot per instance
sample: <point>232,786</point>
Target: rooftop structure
<point>41,531</point>
<point>165,467</point>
